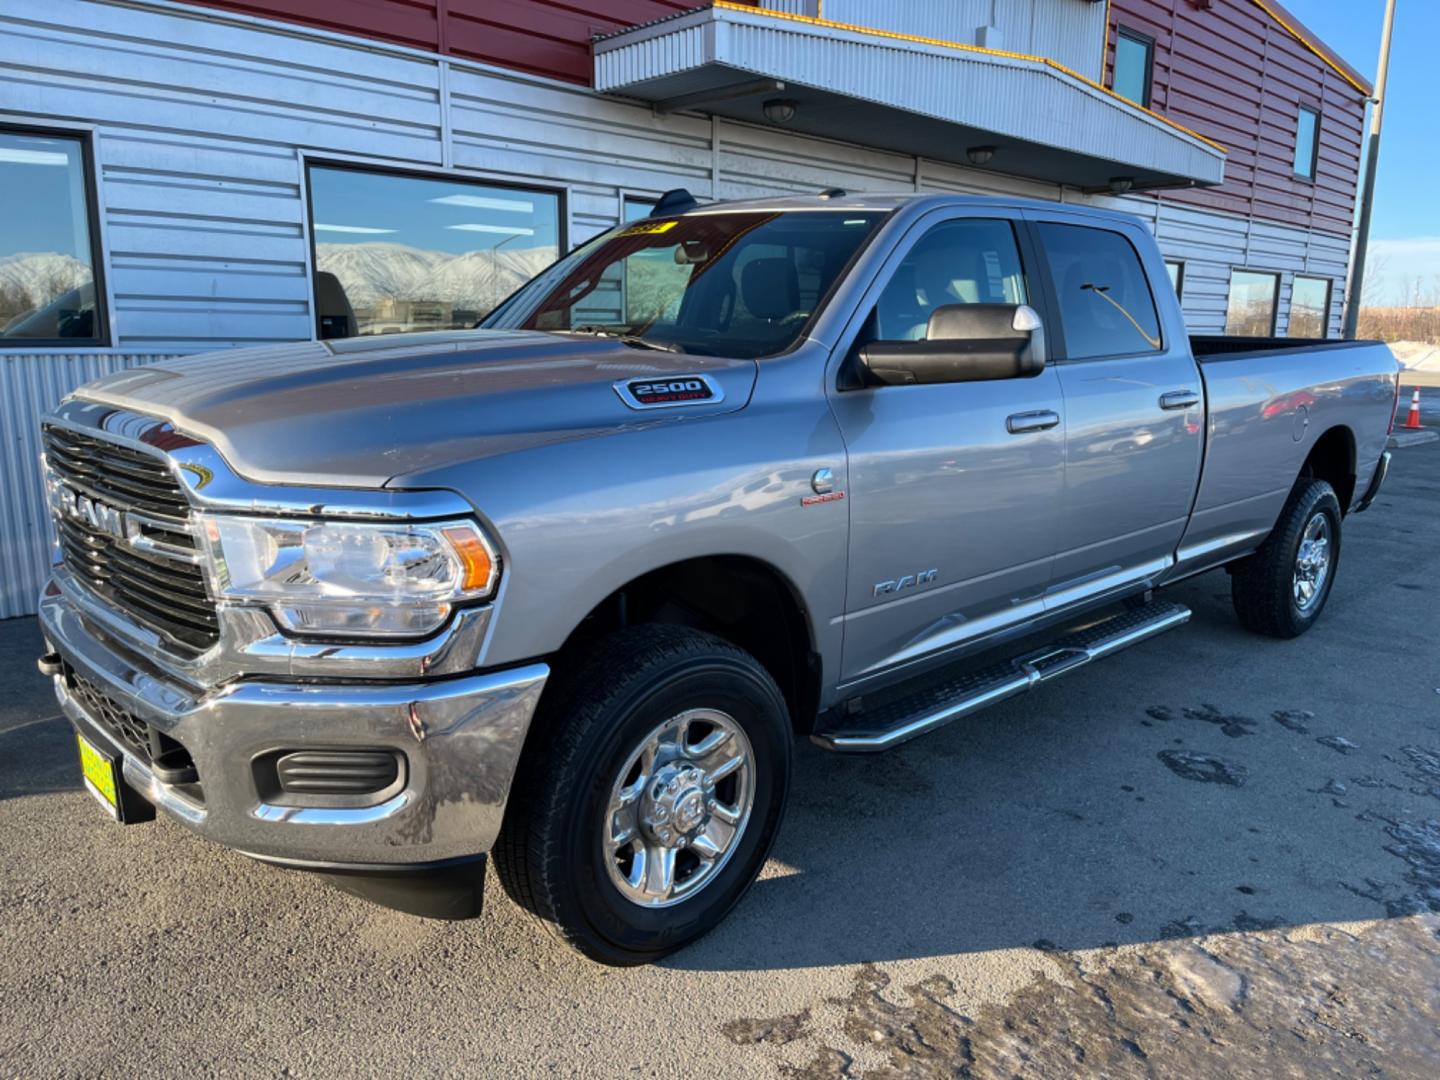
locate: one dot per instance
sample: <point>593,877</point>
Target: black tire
<point>550,855</point>
<point>1262,586</point>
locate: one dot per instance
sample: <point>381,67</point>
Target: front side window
<point>959,262</point>
<point>397,253</point>
<point>1309,306</point>
<point>1134,53</point>
<point>48,288</point>
<point>727,283</point>
<point>1106,307</point>
<point>1307,142</point>
<point>1251,308</point>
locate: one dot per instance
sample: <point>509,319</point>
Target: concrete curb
<point>1402,439</point>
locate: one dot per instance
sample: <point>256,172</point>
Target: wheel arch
<point>743,599</point>
<point>1332,459</point>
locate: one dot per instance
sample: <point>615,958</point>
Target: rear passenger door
<point>1134,406</point>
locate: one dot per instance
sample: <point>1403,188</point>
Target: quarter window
<point>396,253</point>
<point>1134,57</point>
<point>1251,308</point>
<point>958,262</point>
<point>1106,307</point>
<point>1309,307</point>
<point>49,290</point>
<point>1307,142</point>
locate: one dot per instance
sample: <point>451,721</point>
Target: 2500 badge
<point>678,390</point>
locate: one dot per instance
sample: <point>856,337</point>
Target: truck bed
<point>1269,403</point>
<point>1218,347</point>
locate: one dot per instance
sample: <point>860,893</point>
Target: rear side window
<point>1106,307</point>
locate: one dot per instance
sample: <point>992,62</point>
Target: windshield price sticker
<point>648,228</point>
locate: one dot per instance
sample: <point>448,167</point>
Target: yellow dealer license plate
<point>102,775</point>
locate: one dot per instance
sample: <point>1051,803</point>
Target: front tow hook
<point>51,665</point>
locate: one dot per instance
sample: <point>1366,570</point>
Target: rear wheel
<point>1281,589</point>
<point>650,793</point>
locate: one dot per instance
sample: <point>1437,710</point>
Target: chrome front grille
<point>143,560</point>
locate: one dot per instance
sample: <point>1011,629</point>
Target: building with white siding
<point>182,177</point>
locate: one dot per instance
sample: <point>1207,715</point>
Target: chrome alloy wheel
<point>678,808</point>
<point>1312,562</point>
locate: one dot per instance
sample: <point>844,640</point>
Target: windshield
<point>743,283</point>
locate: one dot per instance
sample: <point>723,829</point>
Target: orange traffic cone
<point>1413,420</point>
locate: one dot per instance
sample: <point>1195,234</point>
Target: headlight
<point>350,578</point>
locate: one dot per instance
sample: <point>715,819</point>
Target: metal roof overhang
<point>915,96</point>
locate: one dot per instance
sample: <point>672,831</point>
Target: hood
<point>357,412</point>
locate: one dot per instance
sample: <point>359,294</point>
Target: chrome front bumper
<point>461,738</point>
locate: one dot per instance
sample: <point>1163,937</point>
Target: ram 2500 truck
<point>562,590</point>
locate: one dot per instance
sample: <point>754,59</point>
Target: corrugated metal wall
<point>202,197</point>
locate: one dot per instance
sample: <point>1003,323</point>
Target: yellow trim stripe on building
<point>962,47</point>
<point>1105,43</point>
<point>1306,42</point>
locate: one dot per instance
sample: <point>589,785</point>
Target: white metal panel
<point>1067,31</point>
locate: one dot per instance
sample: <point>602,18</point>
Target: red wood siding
<point>547,37</point>
<point>1235,75</point>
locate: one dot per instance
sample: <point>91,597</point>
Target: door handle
<point>1021,422</point>
<point>1179,399</point>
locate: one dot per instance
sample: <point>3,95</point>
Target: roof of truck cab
<point>894,201</point>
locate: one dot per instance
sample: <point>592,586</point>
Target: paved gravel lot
<point>1214,854</point>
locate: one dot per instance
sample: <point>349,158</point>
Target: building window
<point>1134,59</point>
<point>1307,142</point>
<point>1176,270</point>
<point>396,253</point>
<point>1309,307</point>
<point>1106,307</point>
<point>636,208</point>
<point>49,285</point>
<point>1251,309</point>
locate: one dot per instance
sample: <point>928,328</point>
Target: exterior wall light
<point>780,110</point>
<point>980,155</point>
<point>1121,184</point>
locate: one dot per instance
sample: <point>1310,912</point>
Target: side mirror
<point>963,343</point>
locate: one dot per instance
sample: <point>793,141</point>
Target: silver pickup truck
<point>563,589</point>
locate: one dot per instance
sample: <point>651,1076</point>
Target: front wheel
<point>649,794</point>
<point>1281,589</point>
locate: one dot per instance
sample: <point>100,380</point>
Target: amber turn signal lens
<point>479,566</point>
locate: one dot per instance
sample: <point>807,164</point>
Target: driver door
<point>954,489</point>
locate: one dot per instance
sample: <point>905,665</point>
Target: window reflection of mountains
<point>394,287</point>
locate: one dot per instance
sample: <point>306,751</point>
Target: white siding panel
<point>528,129</point>
<point>1066,31</point>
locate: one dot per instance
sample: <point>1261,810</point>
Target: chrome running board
<point>955,696</point>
